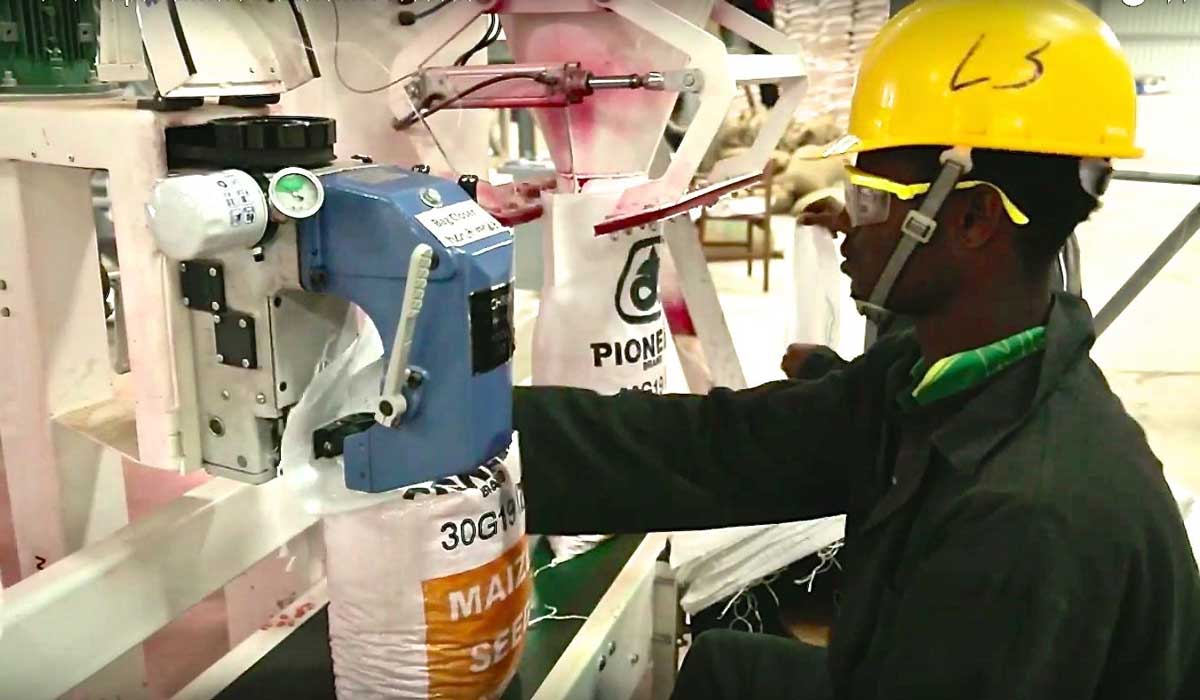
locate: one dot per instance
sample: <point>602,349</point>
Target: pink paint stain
<point>611,132</point>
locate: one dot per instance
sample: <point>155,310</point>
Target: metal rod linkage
<point>1154,264</point>
<point>1072,270</point>
<point>614,82</point>
<point>1163,178</point>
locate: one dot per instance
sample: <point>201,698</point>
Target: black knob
<point>406,18</point>
<point>470,185</point>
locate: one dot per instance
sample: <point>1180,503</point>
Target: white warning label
<point>460,224</point>
<point>237,199</point>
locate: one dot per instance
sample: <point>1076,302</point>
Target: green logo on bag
<point>637,287</point>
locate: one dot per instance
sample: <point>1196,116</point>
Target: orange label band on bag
<point>476,624</point>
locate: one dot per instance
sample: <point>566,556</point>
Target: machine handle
<point>392,404</point>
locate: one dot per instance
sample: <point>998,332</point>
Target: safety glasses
<point>869,197</point>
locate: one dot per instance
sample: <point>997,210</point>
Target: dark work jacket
<point>1019,542</point>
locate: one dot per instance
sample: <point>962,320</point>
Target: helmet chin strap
<point>918,227</point>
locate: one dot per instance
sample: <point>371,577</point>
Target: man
<point>1009,532</point>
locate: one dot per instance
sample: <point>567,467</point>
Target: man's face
<point>929,274</point>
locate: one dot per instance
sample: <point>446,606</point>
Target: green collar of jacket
<point>968,369</point>
<point>983,417</point>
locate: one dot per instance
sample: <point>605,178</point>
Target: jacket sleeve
<point>639,462</point>
<point>821,362</point>
<point>1006,607</point>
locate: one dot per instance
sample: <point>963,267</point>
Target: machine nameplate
<point>460,224</point>
<point>491,328</point>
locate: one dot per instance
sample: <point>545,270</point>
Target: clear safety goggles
<point>869,197</point>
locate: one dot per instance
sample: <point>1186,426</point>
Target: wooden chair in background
<point>755,212</point>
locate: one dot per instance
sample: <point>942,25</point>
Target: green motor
<point>48,46</point>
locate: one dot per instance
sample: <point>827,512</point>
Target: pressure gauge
<point>296,192</point>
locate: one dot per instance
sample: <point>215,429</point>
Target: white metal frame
<point>201,49</point>
<point>129,143</point>
<point>784,65</point>
<point>241,658</point>
<point>703,303</point>
<point>603,659</point>
<point>67,425</point>
<point>121,54</point>
<point>93,606</point>
<point>708,54</point>
<point>700,294</point>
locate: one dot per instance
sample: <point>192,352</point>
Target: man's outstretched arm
<point>641,462</point>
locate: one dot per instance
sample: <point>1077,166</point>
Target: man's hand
<point>795,357</point>
<point>828,213</point>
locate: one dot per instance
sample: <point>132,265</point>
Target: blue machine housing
<point>358,247</point>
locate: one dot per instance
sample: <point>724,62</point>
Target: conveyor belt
<point>300,668</point>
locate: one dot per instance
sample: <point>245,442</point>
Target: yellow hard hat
<point>1044,76</point>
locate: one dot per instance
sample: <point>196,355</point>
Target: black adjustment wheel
<point>253,143</point>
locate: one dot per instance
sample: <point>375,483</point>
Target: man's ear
<point>982,217</point>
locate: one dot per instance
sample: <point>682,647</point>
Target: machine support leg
<point>66,491</point>
<point>1174,242</point>
<point>703,304</point>
<point>663,650</point>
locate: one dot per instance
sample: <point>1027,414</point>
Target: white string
<point>553,563</point>
<point>767,584</point>
<point>829,560</point>
<point>553,611</point>
<point>731,602</point>
<point>752,601</point>
<point>553,615</point>
<point>743,616</point>
<point>337,69</point>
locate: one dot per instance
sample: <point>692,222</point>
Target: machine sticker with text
<point>238,202</point>
<point>476,624</point>
<point>491,317</point>
<point>460,224</point>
